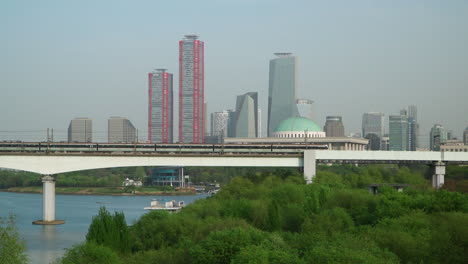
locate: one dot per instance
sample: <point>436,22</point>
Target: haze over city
<point>91,59</point>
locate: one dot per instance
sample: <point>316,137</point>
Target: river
<point>46,243</point>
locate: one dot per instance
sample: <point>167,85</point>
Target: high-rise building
<point>191,90</point>
<point>231,123</point>
<point>437,137</point>
<point>205,117</point>
<point>334,126</point>
<point>398,132</point>
<point>373,124</point>
<point>465,136</point>
<point>246,123</point>
<point>120,130</point>
<point>413,128</point>
<point>80,130</point>
<point>219,123</point>
<point>305,107</point>
<point>282,90</point>
<point>160,107</point>
<point>259,119</point>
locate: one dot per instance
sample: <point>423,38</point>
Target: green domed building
<point>298,127</point>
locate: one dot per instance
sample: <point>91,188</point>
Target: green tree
<point>88,253</point>
<point>12,248</point>
<point>109,230</point>
<point>221,246</point>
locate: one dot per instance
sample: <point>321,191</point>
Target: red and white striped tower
<point>191,89</point>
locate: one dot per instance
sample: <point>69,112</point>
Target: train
<point>154,148</point>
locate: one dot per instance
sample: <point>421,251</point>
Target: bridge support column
<point>48,202</point>
<point>439,174</point>
<point>309,166</point>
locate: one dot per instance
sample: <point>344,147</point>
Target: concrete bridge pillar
<point>309,166</point>
<point>48,202</point>
<point>438,175</point>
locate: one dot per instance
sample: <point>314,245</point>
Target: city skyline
<point>105,74</point>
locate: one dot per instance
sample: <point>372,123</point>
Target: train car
<point>151,148</point>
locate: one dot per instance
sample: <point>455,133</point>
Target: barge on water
<point>170,206</point>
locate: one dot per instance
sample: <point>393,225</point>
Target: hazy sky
<point>65,59</point>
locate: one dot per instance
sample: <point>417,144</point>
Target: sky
<point>64,59</point>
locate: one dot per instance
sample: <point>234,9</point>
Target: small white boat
<point>171,206</point>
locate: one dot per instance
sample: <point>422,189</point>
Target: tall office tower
<point>205,117</point>
<point>259,119</point>
<point>373,129</point>
<point>120,130</point>
<point>398,132</point>
<point>80,130</point>
<point>219,123</point>
<point>413,128</point>
<point>437,137</point>
<point>450,135</point>
<point>246,123</point>
<point>160,107</point>
<point>305,107</point>
<point>412,134</point>
<point>465,136</point>
<point>191,90</point>
<point>334,127</point>
<point>231,123</point>
<point>282,90</point>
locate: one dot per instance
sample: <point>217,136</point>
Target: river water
<point>46,243</point>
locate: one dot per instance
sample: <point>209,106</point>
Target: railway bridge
<point>49,163</point>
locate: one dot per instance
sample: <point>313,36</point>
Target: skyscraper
<point>80,130</point>
<point>437,137</point>
<point>373,123</point>
<point>305,108</point>
<point>398,132</point>
<point>334,126</point>
<point>160,106</point>
<point>191,90</point>
<point>246,123</point>
<point>413,128</point>
<point>120,130</point>
<point>219,123</point>
<point>282,90</point>
<point>231,123</point>
<point>259,119</point>
<point>465,136</point>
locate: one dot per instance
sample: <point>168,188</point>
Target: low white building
<point>129,182</point>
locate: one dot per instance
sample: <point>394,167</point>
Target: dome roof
<point>298,124</point>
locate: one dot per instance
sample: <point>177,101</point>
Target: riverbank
<point>120,191</point>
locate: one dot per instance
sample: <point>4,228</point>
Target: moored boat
<point>170,206</point>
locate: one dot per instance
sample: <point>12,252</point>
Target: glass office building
<point>282,90</point>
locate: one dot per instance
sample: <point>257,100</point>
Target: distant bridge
<point>47,160</point>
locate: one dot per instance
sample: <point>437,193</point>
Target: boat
<point>170,206</point>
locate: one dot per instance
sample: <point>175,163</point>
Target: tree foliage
<point>12,247</point>
<point>273,217</point>
<point>110,231</point>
